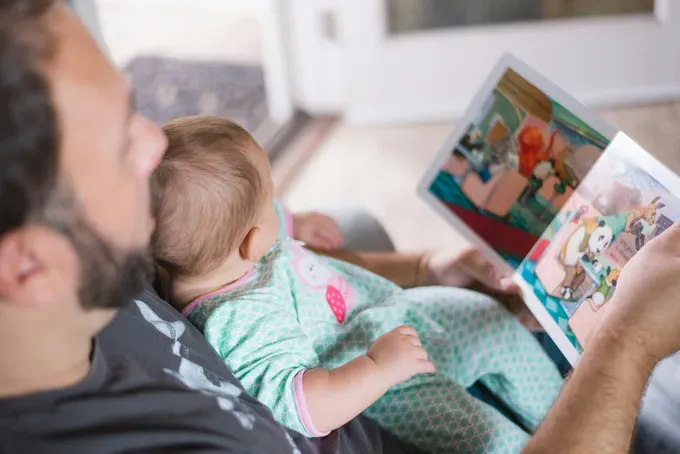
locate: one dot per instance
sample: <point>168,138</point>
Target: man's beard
<point>110,276</point>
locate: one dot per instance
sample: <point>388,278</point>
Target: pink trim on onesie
<point>301,404</point>
<point>192,305</point>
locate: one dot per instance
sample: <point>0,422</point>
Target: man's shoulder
<point>154,385</point>
<point>152,333</point>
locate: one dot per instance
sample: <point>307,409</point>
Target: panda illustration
<point>589,240</point>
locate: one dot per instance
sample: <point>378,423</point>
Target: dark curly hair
<point>29,135</point>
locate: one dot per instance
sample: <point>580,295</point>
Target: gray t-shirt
<point>157,386</point>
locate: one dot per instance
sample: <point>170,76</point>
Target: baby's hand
<point>317,230</point>
<point>400,355</point>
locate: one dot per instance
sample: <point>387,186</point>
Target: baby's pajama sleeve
<point>268,352</point>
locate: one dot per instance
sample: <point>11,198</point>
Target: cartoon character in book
<point>542,171</point>
<point>606,289</point>
<point>504,155</point>
<point>642,221</point>
<point>595,235</point>
<point>645,216</point>
<point>472,140</point>
<point>472,147</point>
<point>582,211</point>
<point>592,237</point>
<point>617,199</point>
<point>531,151</point>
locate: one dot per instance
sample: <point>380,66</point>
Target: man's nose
<point>154,144</point>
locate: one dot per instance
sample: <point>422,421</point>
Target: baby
<point>320,341</point>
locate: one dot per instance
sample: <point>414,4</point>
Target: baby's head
<point>212,199</point>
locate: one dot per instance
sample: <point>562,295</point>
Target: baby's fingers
<point>423,366</point>
<point>414,340</point>
<point>420,354</point>
<point>406,330</point>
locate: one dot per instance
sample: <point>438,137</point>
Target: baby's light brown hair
<point>207,193</point>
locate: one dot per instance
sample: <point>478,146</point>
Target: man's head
<point>213,198</point>
<point>75,162</point>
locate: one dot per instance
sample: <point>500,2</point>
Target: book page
<point>517,156</point>
<point>627,199</point>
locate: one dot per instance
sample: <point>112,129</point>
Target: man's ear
<point>37,267</point>
<point>250,249</point>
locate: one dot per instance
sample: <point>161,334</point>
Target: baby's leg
<point>484,342</point>
<point>439,416</point>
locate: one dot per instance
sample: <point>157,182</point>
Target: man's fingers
<point>330,236</point>
<point>331,231</point>
<point>322,242</point>
<point>530,322</point>
<point>507,285</point>
<point>487,273</point>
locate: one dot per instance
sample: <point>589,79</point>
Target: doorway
<point>218,57</point>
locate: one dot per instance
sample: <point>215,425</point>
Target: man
<point>78,373</point>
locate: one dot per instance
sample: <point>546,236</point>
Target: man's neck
<point>37,358</point>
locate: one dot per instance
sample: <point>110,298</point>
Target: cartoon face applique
<point>313,273</point>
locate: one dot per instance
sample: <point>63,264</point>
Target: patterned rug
<point>168,88</point>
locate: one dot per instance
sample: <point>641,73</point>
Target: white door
<point>418,60</point>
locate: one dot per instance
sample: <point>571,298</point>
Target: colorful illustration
<point>575,266</point>
<point>519,161</point>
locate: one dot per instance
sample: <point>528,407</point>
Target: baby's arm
<point>262,341</point>
<point>336,396</point>
<point>407,270</point>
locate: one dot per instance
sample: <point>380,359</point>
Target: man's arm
<point>599,405</point>
<point>597,409</point>
<point>405,270</point>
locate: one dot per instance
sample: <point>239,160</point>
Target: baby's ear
<point>250,248</point>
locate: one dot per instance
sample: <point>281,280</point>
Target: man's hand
<point>471,269</point>
<point>465,269</point>
<point>317,231</point>
<point>644,313</point>
<point>597,409</point>
<point>400,355</point>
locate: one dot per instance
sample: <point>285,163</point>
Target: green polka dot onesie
<point>297,311</point>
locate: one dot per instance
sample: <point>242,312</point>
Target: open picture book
<point>553,194</point>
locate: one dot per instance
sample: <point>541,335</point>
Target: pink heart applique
<point>337,303</point>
